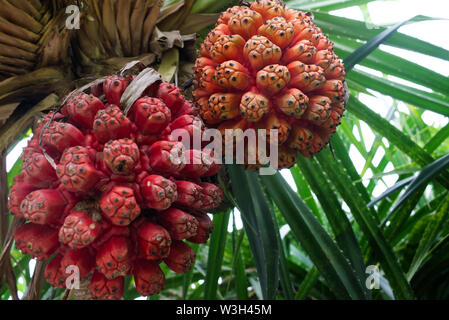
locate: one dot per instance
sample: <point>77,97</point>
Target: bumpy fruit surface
<point>54,274</point>
<point>107,188</point>
<point>83,108</point>
<point>43,206</point>
<point>77,171</point>
<point>103,288</point>
<point>79,230</point>
<point>83,259</point>
<point>149,277</point>
<point>121,156</point>
<point>212,196</point>
<point>180,225</point>
<point>205,228</point>
<point>38,241</point>
<point>110,124</point>
<point>189,194</point>
<point>151,115</point>
<point>114,87</point>
<point>154,241</point>
<point>60,136</point>
<point>120,206</point>
<point>115,257</point>
<point>167,157</point>
<point>18,193</point>
<point>265,66</point>
<point>159,192</point>
<point>197,166</point>
<point>181,257</point>
<point>37,170</point>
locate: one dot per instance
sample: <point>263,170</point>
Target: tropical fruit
<point>265,66</point>
<point>107,189</point>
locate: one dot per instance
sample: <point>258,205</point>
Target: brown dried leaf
<point>10,278</point>
<point>110,26</point>
<point>6,270</point>
<point>26,6</point>
<point>4,211</point>
<point>173,21</point>
<point>138,15</point>
<point>149,24</point>
<point>123,18</point>
<point>47,76</point>
<point>9,239</point>
<point>19,121</point>
<point>143,80</point>
<point>162,41</point>
<point>17,31</point>
<point>6,111</point>
<point>54,42</point>
<point>35,287</point>
<point>19,63</point>
<point>17,42</point>
<point>166,11</point>
<point>19,17</point>
<point>112,65</point>
<point>129,66</point>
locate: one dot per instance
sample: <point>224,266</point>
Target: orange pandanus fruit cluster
<point>270,67</point>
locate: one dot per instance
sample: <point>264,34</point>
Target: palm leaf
<point>320,247</point>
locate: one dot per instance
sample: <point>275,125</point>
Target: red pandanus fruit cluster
<point>109,191</point>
